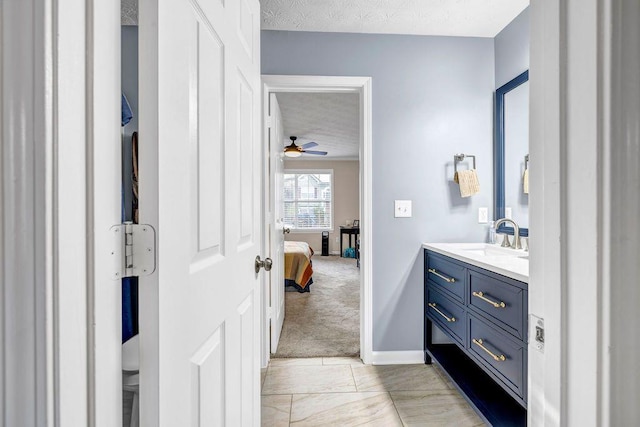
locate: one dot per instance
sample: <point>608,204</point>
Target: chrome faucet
<point>516,234</point>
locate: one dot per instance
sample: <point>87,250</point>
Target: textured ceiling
<point>470,18</point>
<point>330,119</point>
<point>129,12</point>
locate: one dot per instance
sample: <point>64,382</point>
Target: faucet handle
<point>505,241</point>
<point>517,244</point>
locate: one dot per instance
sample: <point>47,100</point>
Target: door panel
<point>276,226</point>
<point>200,185</point>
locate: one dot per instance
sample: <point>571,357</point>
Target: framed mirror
<point>511,153</point>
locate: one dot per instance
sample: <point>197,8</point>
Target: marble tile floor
<point>340,391</point>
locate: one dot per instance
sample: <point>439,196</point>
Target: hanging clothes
<point>129,284</point>
<point>127,114</point>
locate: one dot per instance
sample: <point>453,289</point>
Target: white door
<point>276,218</point>
<point>200,187</point>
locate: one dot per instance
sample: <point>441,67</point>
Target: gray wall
<point>512,49</point>
<point>432,98</point>
<point>512,59</point>
<point>129,75</point>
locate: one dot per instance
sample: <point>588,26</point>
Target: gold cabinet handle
<point>445,278</point>
<point>480,295</point>
<point>479,342</point>
<point>449,319</point>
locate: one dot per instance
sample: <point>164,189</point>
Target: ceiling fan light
<point>292,153</point>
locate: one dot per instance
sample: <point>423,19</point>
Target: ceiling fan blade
<point>309,145</point>
<point>317,153</point>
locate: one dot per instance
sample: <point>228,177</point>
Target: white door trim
<point>584,212</point>
<point>60,114</point>
<point>341,84</point>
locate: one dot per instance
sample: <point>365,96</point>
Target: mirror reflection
<point>512,152</point>
<point>516,150</point>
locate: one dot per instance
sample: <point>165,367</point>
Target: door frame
<point>338,84</point>
<point>60,114</point>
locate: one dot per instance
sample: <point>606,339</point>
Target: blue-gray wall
<point>432,98</point>
<point>512,49</point>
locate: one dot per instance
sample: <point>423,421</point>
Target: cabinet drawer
<point>502,355</point>
<point>502,302</point>
<point>447,276</point>
<point>449,315</point>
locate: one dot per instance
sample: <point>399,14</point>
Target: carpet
<point>326,321</point>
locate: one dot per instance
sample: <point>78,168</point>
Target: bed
<point>297,265</point>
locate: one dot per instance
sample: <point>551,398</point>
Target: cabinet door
<point>447,276</point>
<point>499,353</point>
<point>447,314</point>
<point>500,301</point>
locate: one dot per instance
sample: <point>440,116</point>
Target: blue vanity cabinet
<point>487,356</point>
<point>447,276</point>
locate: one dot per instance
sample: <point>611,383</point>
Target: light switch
<point>483,215</point>
<point>402,209</point>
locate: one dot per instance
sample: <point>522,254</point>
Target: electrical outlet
<point>483,215</point>
<point>507,212</point>
<point>536,332</point>
<point>402,209</point>
<point>337,239</point>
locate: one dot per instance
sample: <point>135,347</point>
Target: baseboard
<point>397,357</point>
<point>334,252</point>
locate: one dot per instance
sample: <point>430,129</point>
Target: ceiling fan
<point>293,150</point>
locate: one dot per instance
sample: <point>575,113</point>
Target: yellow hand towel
<point>525,181</point>
<point>469,184</point>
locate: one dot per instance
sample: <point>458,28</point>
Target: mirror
<point>511,153</point>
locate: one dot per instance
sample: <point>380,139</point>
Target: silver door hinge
<point>133,250</point>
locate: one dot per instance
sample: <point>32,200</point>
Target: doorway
<point>360,87</point>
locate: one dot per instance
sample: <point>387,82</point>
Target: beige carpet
<point>326,321</point>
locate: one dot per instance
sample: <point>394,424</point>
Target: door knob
<point>267,263</point>
<point>286,230</point>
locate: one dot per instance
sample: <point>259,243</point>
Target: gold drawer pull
<point>445,278</point>
<point>480,295</point>
<point>449,319</point>
<point>497,358</point>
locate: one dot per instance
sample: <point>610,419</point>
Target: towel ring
<point>457,158</point>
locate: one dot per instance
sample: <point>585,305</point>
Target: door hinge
<point>133,250</point>
<point>269,313</point>
<point>269,121</point>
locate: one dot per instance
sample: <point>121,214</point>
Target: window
<point>308,199</point>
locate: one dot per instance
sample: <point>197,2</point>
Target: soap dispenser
<point>492,232</point>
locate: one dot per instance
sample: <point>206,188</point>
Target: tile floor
<point>338,391</point>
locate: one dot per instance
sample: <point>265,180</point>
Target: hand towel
<point>469,183</point>
<point>525,181</point>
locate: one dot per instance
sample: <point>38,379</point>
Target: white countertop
<point>507,262</point>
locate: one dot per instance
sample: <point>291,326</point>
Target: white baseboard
<point>334,252</point>
<point>397,357</point>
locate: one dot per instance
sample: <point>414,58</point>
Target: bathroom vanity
<point>476,294</point>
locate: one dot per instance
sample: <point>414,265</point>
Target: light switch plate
<point>483,215</point>
<point>402,209</point>
<point>507,212</point>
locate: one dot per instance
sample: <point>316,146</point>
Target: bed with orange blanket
<point>297,265</point>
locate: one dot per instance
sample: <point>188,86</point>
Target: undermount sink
<point>484,249</point>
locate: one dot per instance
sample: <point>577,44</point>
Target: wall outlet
<point>337,239</point>
<point>402,209</point>
<point>483,215</point>
<point>507,212</point>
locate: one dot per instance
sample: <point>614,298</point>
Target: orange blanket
<point>297,263</point>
